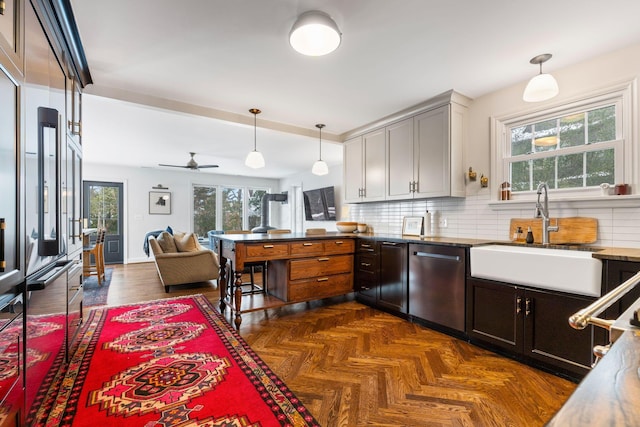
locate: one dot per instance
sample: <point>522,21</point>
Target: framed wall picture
<point>159,203</point>
<point>412,225</point>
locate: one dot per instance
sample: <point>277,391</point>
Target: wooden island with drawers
<point>300,268</point>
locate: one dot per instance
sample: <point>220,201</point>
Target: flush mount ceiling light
<point>543,86</point>
<point>254,158</point>
<point>315,34</point>
<point>320,166</point>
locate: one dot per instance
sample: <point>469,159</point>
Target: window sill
<point>627,201</point>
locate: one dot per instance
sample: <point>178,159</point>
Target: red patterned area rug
<point>173,362</point>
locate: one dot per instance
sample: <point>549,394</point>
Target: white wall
<point>309,181</point>
<point>139,181</point>
<point>472,217</point>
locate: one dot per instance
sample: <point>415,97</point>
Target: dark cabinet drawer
<point>340,246</point>
<point>320,287</point>
<point>307,248</point>
<point>321,266</point>
<point>262,250</point>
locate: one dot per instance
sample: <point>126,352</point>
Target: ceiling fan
<point>191,164</point>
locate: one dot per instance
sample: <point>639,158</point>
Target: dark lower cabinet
<point>615,274</point>
<point>393,287</point>
<point>367,271</point>
<point>530,323</point>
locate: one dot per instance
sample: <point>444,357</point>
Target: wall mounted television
<point>319,204</point>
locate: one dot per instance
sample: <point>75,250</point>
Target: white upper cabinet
<point>364,168</point>
<point>401,177</point>
<point>416,153</point>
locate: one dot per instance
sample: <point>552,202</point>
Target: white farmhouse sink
<point>557,269</point>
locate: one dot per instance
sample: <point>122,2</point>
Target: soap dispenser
<point>529,238</point>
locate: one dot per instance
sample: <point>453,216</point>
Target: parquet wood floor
<point>352,365</point>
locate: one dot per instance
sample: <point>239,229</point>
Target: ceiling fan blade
<point>207,166</point>
<point>172,166</point>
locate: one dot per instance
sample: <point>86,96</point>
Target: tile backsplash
<point>472,217</point>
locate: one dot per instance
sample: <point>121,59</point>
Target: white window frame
<point>219,188</point>
<point>623,96</point>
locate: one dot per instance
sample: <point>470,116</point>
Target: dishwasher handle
<point>455,258</point>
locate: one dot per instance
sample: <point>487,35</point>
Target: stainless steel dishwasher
<point>437,284</point>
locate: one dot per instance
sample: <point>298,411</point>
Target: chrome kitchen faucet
<point>543,211</point>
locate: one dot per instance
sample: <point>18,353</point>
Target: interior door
<point>103,207</point>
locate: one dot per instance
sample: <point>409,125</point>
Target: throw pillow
<point>169,229</point>
<point>166,242</point>
<point>187,243</point>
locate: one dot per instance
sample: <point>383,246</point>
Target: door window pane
<point>104,209</point>
<point>204,209</point>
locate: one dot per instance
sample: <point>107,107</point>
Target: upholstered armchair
<point>181,259</point>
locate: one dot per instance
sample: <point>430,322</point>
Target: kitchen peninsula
<point>300,268</point>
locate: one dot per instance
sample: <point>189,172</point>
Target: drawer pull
<point>339,242</point>
<point>267,246</point>
<point>307,244</point>
<point>323,259</point>
<point>365,246</point>
<point>323,279</point>
<point>390,243</point>
<point>365,264</point>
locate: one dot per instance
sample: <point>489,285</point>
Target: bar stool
<point>97,250</point>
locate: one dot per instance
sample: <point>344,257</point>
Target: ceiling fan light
<point>254,160</point>
<point>320,168</point>
<point>540,88</point>
<point>315,34</point>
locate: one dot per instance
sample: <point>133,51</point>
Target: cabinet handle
<point>323,279</point>
<point>73,126</point>
<point>307,244</point>
<point>365,246</point>
<point>3,262</point>
<point>518,305</point>
<point>364,288</point>
<point>323,259</point>
<point>267,246</point>
<point>527,307</point>
<point>339,242</point>
<point>390,243</point>
<point>365,264</point>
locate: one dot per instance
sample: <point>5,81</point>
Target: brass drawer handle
<point>323,259</point>
<point>307,244</point>
<point>323,279</point>
<point>339,242</point>
<point>267,246</point>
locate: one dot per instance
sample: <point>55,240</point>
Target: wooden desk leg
<point>238,299</point>
<point>222,283</point>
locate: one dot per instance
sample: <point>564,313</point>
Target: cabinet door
<point>11,31</point>
<point>74,110</point>
<point>393,288</point>
<point>400,160</point>
<point>432,154</point>
<point>353,170</point>
<point>367,276</point>
<point>493,313</point>
<point>374,165</point>
<point>550,338</point>
<point>616,273</point>
<point>11,272</point>
<point>73,195</point>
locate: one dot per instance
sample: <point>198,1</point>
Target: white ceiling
<point>219,58</point>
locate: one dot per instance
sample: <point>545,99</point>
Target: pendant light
<point>320,166</point>
<point>543,86</point>
<point>254,158</point>
<point>315,34</point>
